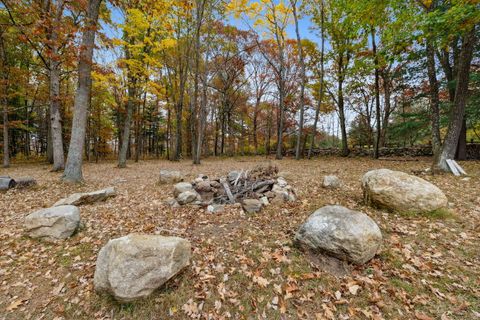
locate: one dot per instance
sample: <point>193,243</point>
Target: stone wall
<point>473,151</point>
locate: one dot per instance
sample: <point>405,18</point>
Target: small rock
<point>132,267</point>
<point>167,176</point>
<point>182,187</point>
<point>264,201</point>
<point>53,223</point>
<point>232,175</point>
<point>203,186</point>
<point>172,202</point>
<point>215,184</point>
<point>331,182</point>
<point>279,199</point>
<point>187,197</point>
<point>78,199</point>
<point>282,182</point>
<point>252,205</point>
<point>216,208</point>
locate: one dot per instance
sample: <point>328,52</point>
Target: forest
<point>240,159</point>
<point>191,79</point>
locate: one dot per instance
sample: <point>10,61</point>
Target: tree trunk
<point>341,109</point>
<point>461,92</point>
<point>303,82</point>
<point>377,98</point>
<point>387,108</point>
<point>4,101</point>
<point>434,99</point>
<point>73,169</point>
<point>55,117</point>
<point>322,71</point>
<point>122,156</point>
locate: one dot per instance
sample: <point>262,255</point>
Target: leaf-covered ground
<point>243,266</point>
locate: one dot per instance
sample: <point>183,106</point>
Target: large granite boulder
<point>53,223</point>
<point>401,192</point>
<point>78,199</point>
<point>168,176</point>
<point>132,267</point>
<point>342,233</point>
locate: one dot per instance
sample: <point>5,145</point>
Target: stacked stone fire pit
<point>253,189</point>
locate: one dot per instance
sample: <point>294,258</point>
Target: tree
<point>73,168</point>
<point>4,97</point>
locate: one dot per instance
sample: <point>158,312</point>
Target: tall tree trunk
<point>54,70</point>
<point>122,156</point>
<point>73,169</point>
<point>341,108</point>
<point>434,99</point>
<point>377,97</point>
<point>303,82</point>
<point>322,71</point>
<point>387,93</point>
<point>4,101</point>
<point>461,95</point>
<point>55,118</point>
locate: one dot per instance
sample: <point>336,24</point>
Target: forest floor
<point>243,266</point>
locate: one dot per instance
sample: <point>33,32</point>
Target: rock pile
<point>253,189</point>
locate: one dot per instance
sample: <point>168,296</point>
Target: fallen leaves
<point>243,266</point>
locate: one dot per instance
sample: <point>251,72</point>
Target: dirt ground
<point>243,266</point>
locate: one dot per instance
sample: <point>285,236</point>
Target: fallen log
<point>25,182</point>
<point>7,183</point>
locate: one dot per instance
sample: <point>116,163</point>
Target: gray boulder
<point>78,199</point>
<point>182,187</point>
<point>168,176</point>
<point>342,233</point>
<point>401,192</point>
<point>252,205</point>
<point>132,267</point>
<point>331,182</point>
<point>187,197</point>
<point>53,223</point>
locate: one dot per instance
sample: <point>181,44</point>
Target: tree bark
<point>461,95</point>
<point>303,75</point>
<point>322,71</point>
<point>122,156</point>
<point>4,101</point>
<point>377,97</point>
<point>434,99</point>
<point>54,71</point>
<point>341,108</point>
<point>73,169</point>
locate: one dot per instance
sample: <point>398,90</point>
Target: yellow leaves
<point>427,3</point>
<point>168,43</point>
